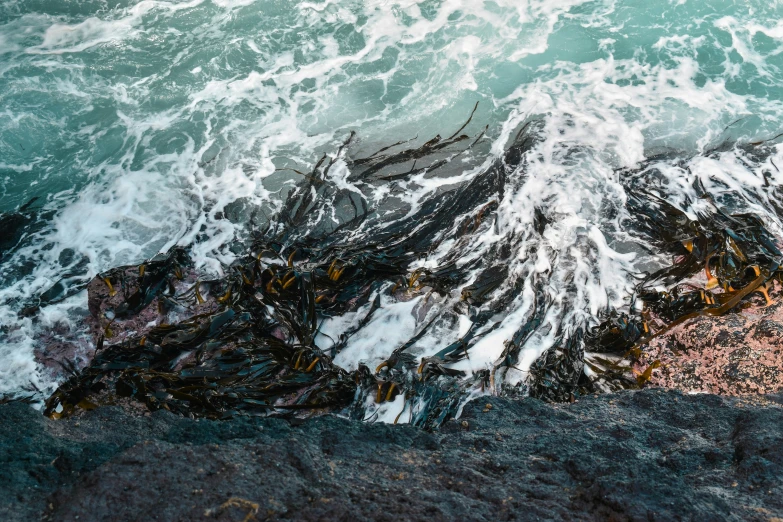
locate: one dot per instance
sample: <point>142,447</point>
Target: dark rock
<point>645,455</point>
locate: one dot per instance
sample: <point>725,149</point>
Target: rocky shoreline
<point>164,344</point>
<point>637,455</point>
<point>739,353</point>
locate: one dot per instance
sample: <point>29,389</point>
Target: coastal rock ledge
<point>638,455</point>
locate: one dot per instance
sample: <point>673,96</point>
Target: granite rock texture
<point>739,353</point>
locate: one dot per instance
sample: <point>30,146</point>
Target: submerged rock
<point>635,455</point>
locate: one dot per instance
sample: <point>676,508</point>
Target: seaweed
<point>555,375</point>
<point>248,342</point>
<point>736,252</point>
<point>616,334</point>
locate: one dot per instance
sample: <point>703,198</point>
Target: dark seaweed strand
<point>255,352</point>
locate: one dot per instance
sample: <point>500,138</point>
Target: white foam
<point>387,70</point>
<point>73,38</point>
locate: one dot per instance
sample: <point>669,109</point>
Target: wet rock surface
<point>740,353</point>
<point>637,455</point>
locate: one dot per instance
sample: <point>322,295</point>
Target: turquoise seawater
<point>138,123</point>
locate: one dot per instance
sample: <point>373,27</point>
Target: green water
<point>137,123</point>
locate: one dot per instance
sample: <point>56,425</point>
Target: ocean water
<point>139,125</point>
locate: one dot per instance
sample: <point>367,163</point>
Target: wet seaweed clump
<point>246,342</point>
<point>254,339</point>
<point>721,259</point>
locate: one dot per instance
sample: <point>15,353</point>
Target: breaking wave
<point>512,240</point>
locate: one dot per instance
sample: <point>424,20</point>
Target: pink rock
<point>739,353</point>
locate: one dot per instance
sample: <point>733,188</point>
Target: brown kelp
<point>722,255</point>
<point>267,336</point>
<point>732,254</point>
<point>246,341</point>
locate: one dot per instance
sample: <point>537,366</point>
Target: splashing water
<point>141,125</point>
